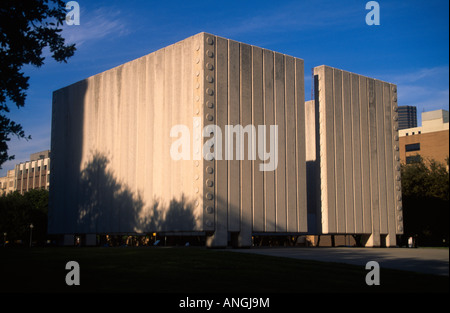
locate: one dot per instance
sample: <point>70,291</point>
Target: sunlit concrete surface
<point>115,134</point>
<point>423,260</point>
<point>113,171</point>
<point>358,154</point>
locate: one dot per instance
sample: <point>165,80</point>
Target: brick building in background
<point>430,141</point>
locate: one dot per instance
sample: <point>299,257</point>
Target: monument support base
<point>371,241</point>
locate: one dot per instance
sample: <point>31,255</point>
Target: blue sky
<point>409,48</point>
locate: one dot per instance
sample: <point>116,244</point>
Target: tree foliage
<point>26,28</point>
<point>425,193</point>
<point>18,211</point>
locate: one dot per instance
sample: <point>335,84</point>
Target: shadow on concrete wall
<point>66,141</point>
<point>94,200</point>
<point>313,196</point>
<point>177,216</point>
<point>313,171</point>
<point>106,205</point>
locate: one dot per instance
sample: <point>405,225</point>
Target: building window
<point>412,147</point>
<point>413,159</point>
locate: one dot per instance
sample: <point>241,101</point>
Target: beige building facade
<point>33,174</point>
<point>7,183</point>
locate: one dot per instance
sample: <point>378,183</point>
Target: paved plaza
<point>423,260</point>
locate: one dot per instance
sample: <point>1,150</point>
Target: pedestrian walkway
<point>423,260</point>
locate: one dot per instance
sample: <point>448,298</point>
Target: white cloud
<point>304,16</point>
<point>95,25</point>
<point>423,74</point>
<point>426,88</point>
<point>438,100</point>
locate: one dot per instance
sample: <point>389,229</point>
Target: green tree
<point>26,28</point>
<point>18,211</point>
<point>425,192</point>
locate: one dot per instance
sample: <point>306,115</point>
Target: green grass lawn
<point>192,270</point>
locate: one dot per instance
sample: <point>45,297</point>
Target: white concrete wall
<point>359,158</point>
<point>259,87</point>
<point>111,137</point>
<point>112,171</point>
<point>111,165</point>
